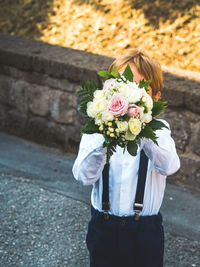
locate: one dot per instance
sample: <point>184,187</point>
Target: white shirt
<point>123,172</point>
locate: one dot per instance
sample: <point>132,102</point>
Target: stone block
<point>81,74</point>
<point>192,99</point>
<point>38,78</point>
<point>174,89</point>
<point>62,107</point>
<point>45,132</point>
<point>12,72</point>
<point>62,84</point>
<point>54,68</point>
<point>53,134</point>
<point>180,126</point>
<point>18,97</point>
<point>56,134</point>
<point>16,59</point>
<point>36,129</point>
<point>181,91</point>
<point>72,137</point>
<point>174,97</point>
<point>38,99</point>
<point>194,144</point>
<point>190,170</point>
<point>3,116</point>
<point>5,84</point>
<point>16,122</point>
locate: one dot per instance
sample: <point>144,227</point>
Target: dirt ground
<point>169,30</point>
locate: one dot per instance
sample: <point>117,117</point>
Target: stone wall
<point>38,85</point>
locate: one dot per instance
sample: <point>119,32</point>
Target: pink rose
<point>108,83</point>
<point>118,105</point>
<point>133,110</point>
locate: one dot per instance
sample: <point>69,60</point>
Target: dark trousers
<point>125,242</point>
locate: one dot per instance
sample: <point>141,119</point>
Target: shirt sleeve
<point>91,159</point>
<point>164,156</point>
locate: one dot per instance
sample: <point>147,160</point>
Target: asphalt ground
<point>44,212</point>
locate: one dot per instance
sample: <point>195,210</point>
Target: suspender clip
<point>137,215</point>
<point>137,208</point>
<point>106,215</point>
<point>106,208</point>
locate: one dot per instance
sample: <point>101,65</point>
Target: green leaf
<point>158,107</point>
<point>111,145</point>
<point>132,148</point>
<point>144,84</point>
<point>115,72</point>
<point>105,74</point>
<point>86,94</point>
<point>155,141</point>
<point>124,118</point>
<point>128,74</point>
<point>108,140</point>
<point>148,133</point>
<point>90,128</point>
<point>156,124</point>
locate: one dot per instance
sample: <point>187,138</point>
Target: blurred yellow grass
<point>168,31</point>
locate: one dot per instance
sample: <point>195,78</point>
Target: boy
<point>128,233</point>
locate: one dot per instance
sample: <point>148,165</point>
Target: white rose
<point>98,94</point>
<point>100,105</point>
<point>149,103</point>
<point>107,116</point>
<point>123,89</point>
<point>134,126</point>
<point>147,100</point>
<point>122,126</point>
<point>98,121</point>
<point>108,84</point>
<point>133,85</point>
<point>147,117</point>
<point>91,110</point>
<point>134,95</point>
<point>109,93</point>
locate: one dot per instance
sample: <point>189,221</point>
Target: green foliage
<point>144,84</point>
<point>111,145</point>
<point>90,128</point>
<point>132,148</point>
<point>115,72</point>
<point>125,117</point>
<point>86,94</point>
<point>156,125</point>
<point>148,132</point>
<point>158,107</point>
<point>105,74</point>
<point>128,73</point>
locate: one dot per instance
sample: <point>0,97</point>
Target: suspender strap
<point>138,205</point>
<point>105,195</point>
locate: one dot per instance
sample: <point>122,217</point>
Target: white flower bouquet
<point>122,111</point>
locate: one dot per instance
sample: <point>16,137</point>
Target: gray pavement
<point>44,212</point>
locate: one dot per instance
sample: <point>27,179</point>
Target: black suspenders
<point>105,194</point>
<point>142,173</point>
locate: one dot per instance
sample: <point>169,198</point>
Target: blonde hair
<point>150,69</point>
